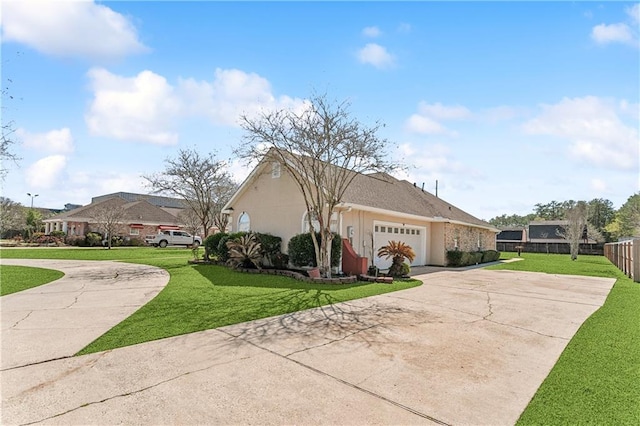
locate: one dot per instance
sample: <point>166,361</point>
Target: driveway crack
<point>489,306</point>
<point>134,392</point>
<point>346,336</point>
<point>21,319</point>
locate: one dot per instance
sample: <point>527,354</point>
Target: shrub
<point>302,253</point>
<point>280,261</point>
<point>398,251</point>
<point>75,240</point>
<point>58,234</point>
<point>271,246</point>
<point>212,242</point>
<point>223,250</point>
<point>490,256</point>
<point>406,269</point>
<point>93,239</point>
<point>471,258</point>
<point>135,242</point>
<point>454,257</point>
<point>245,251</point>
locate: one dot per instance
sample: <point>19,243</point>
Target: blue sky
<point>506,104</point>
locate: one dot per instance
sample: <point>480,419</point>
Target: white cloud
<point>429,163</point>
<point>621,32</point>
<point>595,132</point>
<point>44,173</point>
<point>56,141</point>
<point>634,13</point>
<point>70,29</point>
<point>427,119</point>
<point>141,108</point>
<point>376,55</point>
<point>598,185</point>
<point>372,32</point>
<point>424,125</point>
<point>231,94</point>
<point>146,107</point>
<point>605,34</point>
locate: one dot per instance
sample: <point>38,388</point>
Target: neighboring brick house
<point>375,209</point>
<point>142,215</point>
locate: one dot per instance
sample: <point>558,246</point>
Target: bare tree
<point>201,181</point>
<point>109,220</point>
<point>190,220</point>
<point>575,231</point>
<point>7,138</point>
<point>323,149</point>
<point>12,216</point>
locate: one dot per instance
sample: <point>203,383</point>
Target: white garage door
<point>414,236</point>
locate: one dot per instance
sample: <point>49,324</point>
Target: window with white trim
<point>244,222</point>
<point>134,231</point>
<point>316,224</point>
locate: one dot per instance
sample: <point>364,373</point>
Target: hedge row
<point>466,258</point>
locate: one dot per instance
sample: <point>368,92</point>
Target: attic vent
<point>275,170</point>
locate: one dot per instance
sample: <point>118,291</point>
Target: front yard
<point>201,297</point>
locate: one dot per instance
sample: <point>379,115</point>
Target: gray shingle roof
<point>134,212</point>
<point>383,191</point>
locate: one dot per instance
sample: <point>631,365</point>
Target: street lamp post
<point>29,226</point>
<point>32,197</point>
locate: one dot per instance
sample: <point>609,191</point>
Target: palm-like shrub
<point>398,251</point>
<point>245,251</point>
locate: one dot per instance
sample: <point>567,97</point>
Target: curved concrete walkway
<point>464,348</point>
<point>58,319</point>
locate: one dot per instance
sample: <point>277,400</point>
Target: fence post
<point>635,256</point>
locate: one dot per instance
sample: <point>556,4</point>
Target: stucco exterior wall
<point>274,205</point>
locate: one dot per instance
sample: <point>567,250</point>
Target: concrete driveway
<point>464,348</point>
<point>60,318</point>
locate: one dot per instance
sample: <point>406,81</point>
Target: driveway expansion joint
<point>342,381</point>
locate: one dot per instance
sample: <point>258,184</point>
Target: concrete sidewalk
<point>464,348</point>
<point>60,318</point>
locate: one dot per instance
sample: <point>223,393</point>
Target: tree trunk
<point>325,245</point>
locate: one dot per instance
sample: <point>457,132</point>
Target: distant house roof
<point>134,212</point>
<point>514,235</point>
<point>546,230</point>
<point>156,200</point>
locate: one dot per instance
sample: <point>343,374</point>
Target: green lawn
<point>18,278</point>
<point>597,378</point>
<point>206,296</point>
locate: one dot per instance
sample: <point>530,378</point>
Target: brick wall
<point>467,238</point>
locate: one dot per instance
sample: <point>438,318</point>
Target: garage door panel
<point>413,236</point>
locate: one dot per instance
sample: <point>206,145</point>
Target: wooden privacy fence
<point>626,256</point>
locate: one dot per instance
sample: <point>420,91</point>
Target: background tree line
<point>599,214</point>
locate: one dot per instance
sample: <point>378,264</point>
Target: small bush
<point>406,269</point>
<point>454,257</point>
<point>271,246</point>
<point>223,250</point>
<point>245,252</point>
<point>75,240</point>
<point>58,234</point>
<point>467,258</point>
<point>490,256</point>
<point>93,239</point>
<point>212,242</point>
<point>135,242</point>
<point>302,253</point>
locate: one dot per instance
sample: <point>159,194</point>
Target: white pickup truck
<point>173,238</point>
